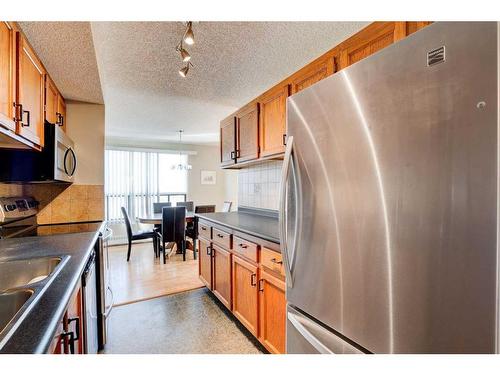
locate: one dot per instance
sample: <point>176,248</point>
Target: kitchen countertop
<point>260,226</point>
<point>37,329</point>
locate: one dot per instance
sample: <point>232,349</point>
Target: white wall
<point>85,126</point>
<point>206,157</point>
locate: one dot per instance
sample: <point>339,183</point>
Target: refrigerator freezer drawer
<point>304,336</point>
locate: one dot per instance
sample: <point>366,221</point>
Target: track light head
<point>189,35</point>
<point>184,71</point>
<point>185,55</point>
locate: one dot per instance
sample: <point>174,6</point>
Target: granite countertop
<point>36,331</point>
<point>260,226</point>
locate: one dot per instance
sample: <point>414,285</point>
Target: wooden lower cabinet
<point>69,335</point>
<point>205,263</point>
<point>272,312</point>
<point>245,293</point>
<point>221,274</point>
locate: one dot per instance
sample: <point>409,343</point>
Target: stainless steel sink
<point>17,273</point>
<point>11,303</point>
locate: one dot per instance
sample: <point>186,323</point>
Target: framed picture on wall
<point>208,177</point>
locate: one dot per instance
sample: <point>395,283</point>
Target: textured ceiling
<point>144,95</point>
<point>67,51</point>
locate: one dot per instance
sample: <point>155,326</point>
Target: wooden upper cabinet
<point>247,133</point>
<point>312,73</point>
<point>61,112</point>
<point>51,100</point>
<point>7,75</point>
<point>221,275</point>
<point>371,39</point>
<point>228,141</point>
<point>31,78</point>
<point>205,263</point>
<point>272,121</point>
<point>245,297</point>
<point>272,314</point>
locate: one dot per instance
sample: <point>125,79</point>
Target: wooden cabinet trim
<point>7,116</point>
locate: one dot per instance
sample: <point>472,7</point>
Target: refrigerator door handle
<point>311,339</point>
<point>285,173</point>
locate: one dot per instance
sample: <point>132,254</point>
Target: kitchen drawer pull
<point>71,339</point>
<point>77,325</point>
<point>253,279</point>
<point>20,106</point>
<point>203,228</point>
<point>220,235</point>
<point>276,261</point>
<point>261,285</point>
<point>209,250</point>
<point>242,245</point>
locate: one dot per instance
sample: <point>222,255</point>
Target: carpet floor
<point>193,322</point>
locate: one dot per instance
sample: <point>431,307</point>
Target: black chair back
<point>173,224</point>
<point>127,223</point>
<point>227,206</point>
<point>157,207</point>
<point>205,209</point>
<point>188,204</point>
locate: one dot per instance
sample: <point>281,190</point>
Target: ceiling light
<point>184,54</point>
<point>181,166</point>
<point>184,71</point>
<point>189,35</point>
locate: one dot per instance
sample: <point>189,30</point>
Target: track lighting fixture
<point>184,54</point>
<point>184,71</point>
<point>189,35</point>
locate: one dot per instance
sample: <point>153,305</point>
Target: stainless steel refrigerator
<point>389,207</point>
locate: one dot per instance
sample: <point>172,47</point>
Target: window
<point>136,179</point>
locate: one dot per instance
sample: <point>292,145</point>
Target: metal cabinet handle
<point>71,339</point>
<point>253,279</point>
<point>242,245</point>
<point>203,228</point>
<point>22,116</point>
<point>77,325</point>
<point>220,235</point>
<point>209,250</point>
<point>237,154</point>
<point>276,261</point>
<point>233,155</point>
<point>261,285</point>
<point>61,120</point>
<point>284,139</point>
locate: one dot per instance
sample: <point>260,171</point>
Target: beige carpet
<point>145,276</point>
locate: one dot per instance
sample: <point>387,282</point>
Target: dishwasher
<point>89,284</point>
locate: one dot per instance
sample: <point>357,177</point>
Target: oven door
<point>65,157</point>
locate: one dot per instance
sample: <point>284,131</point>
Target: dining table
<point>156,219</point>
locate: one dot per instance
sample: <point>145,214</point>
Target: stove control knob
<point>10,207</point>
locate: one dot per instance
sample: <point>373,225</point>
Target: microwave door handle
<point>74,161</point>
<point>64,161</point>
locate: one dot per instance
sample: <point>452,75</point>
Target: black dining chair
<point>227,206</point>
<point>188,204</point>
<point>204,209</point>
<point>173,230</point>
<point>157,207</point>
<point>140,235</point>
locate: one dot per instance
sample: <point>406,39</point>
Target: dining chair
<point>140,235</point>
<point>227,206</point>
<point>157,207</point>
<point>204,209</point>
<point>173,230</point>
<point>188,204</point>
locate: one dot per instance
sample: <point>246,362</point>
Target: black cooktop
<point>47,230</point>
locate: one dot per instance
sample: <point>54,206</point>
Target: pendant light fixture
<point>181,166</point>
<point>189,35</point>
<point>188,38</point>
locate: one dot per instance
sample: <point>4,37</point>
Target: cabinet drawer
<point>245,248</point>
<point>205,231</point>
<point>272,260</point>
<point>222,238</point>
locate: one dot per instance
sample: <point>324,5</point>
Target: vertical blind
<point>137,179</point>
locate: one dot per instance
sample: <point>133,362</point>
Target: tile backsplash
<point>62,203</point>
<point>259,185</point>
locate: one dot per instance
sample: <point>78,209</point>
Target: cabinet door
<point>227,141</point>
<point>245,293</point>
<point>272,121</point>
<point>61,112</point>
<point>30,92</point>
<point>205,263</point>
<point>221,274</point>
<point>247,133</point>
<point>272,312</point>
<point>7,75</point>
<point>51,95</point>
<point>75,320</point>
<point>312,73</point>
<point>371,39</point>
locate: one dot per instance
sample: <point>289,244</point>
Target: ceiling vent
<point>435,56</point>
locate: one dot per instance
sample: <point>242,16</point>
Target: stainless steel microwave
<point>57,162</point>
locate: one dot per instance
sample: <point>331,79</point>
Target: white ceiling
<point>138,66</point>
